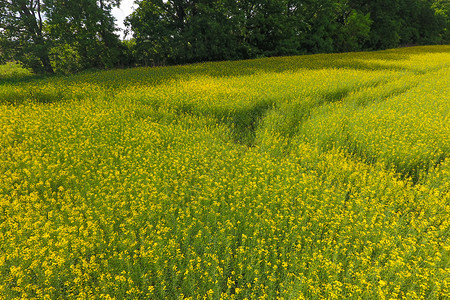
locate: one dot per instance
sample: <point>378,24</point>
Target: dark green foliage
<point>404,22</point>
<point>66,36</point>
<point>87,28</point>
<point>185,31</point>
<point>22,35</point>
<point>353,32</point>
<point>442,13</point>
<point>59,35</point>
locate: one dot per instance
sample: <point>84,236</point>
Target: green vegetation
<point>60,36</point>
<point>65,36</point>
<point>192,31</point>
<point>13,71</point>
<point>307,177</point>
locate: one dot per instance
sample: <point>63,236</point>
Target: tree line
<point>67,36</point>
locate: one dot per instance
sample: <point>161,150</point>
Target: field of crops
<point>310,177</point>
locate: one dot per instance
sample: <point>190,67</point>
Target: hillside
<point>303,177</point>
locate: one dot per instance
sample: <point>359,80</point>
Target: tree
<point>403,21</point>
<point>323,25</point>
<point>22,35</point>
<point>442,12</point>
<point>181,31</point>
<point>63,34</point>
<point>354,30</point>
<point>86,26</point>
<point>154,25</point>
<point>387,25</point>
<point>211,29</point>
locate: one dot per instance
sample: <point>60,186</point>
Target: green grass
<point>323,176</point>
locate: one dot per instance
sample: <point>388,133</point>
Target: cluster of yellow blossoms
<point>312,177</point>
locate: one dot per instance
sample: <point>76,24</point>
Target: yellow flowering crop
<point>310,177</point>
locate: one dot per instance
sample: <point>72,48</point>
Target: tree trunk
<point>35,28</point>
<point>45,60</point>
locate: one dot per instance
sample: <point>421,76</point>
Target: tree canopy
<point>61,35</point>
<point>183,31</point>
<point>68,36</point>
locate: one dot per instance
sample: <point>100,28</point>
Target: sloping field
<point>310,177</point>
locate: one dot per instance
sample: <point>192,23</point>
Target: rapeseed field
<point>309,177</point>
